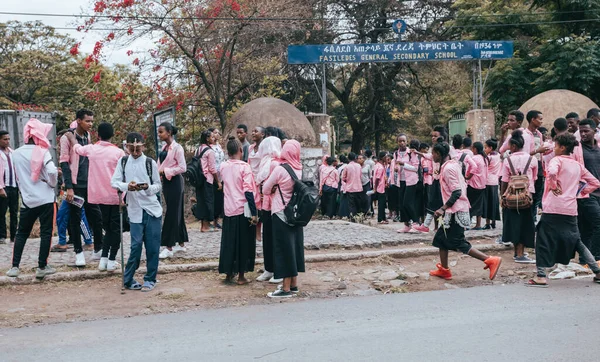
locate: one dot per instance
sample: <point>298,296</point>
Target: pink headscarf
<point>37,131</point>
<point>290,154</point>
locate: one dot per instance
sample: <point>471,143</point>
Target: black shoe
<point>280,293</point>
<point>487,227</point>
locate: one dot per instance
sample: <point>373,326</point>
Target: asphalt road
<point>500,323</point>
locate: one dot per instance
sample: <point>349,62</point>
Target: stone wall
<point>311,160</point>
<point>321,124</point>
<point>482,123</point>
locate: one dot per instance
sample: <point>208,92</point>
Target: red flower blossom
<point>100,6</point>
<point>75,49</point>
<point>156,68</point>
<point>140,110</point>
<point>119,96</point>
<point>96,78</point>
<point>129,52</point>
<point>110,37</point>
<point>235,6</point>
<point>130,31</point>
<point>136,61</point>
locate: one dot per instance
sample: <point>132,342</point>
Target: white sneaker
<point>178,248</point>
<point>13,272</point>
<point>275,281</point>
<point>97,255</point>
<point>265,276</point>
<point>80,259</point>
<point>102,264</point>
<point>166,253</point>
<point>112,265</point>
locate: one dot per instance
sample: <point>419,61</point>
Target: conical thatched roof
<point>274,112</point>
<point>557,103</point>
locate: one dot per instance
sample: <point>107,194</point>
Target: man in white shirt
<point>9,194</point>
<point>37,176</point>
<point>141,181</point>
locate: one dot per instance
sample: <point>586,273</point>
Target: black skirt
<point>238,245</point>
<point>452,238</point>
<point>518,227</point>
<point>288,248</point>
<point>476,199</point>
<point>267,239</point>
<point>557,239</point>
<point>219,201</point>
<point>434,198</point>
<point>173,229</point>
<point>409,203</point>
<point>491,206</point>
<point>344,209</point>
<point>205,208</point>
<point>392,198</point>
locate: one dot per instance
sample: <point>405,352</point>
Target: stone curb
<point>212,265</point>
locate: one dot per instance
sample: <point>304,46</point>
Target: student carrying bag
<point>517,195</point>
<point>304,201</point>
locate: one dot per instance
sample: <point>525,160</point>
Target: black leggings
<point>381,208</point>
<point>28,217</point>
<point>112,231</point>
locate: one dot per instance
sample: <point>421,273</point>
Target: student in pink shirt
<point>329,179</point>
<point>103,157</point>
<point>405,166</point>
<point>205,195</point>
<point>427,169</point>
<point>558,235</point>
<point>518,226</point>
<point>343,207</point>
<point>269,153</point>
<point>288,240</point>
<point>354,189</point>
<point>514,122</point>
<point>455,213</point>
<point>379,185</point>
<point>465,160</point>
<point>477,178</point>
<point>238,244</point>
<point>434,195</point>
<point>171,167</point>
<point>491,209</point>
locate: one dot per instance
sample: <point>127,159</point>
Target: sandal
<point>57,248</point>
<point>533,283</point>
<point>133,286</point>
<point>148,286</point>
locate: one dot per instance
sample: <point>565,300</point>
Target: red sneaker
<point>421,228</point>
<point>441,272</point>
<point>493,264</point>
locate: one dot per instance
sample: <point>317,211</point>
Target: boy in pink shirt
<point>379,185</point>
<point>477,177</point>
<point>238,244</point>
<point>455,213</point>
<point>351,177</point>
<point>491,211</point>
<point>103,158</point>
<point>329,179</point>
<point>558,234</point>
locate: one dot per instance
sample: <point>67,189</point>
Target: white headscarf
<point>268,150</point>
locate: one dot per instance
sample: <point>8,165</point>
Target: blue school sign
<point>399,52</point>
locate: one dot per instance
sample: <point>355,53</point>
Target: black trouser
<point>94,218</point>
<point>366,199</point>
<point>537,197</point>
<point>10,203</point>
<point>112,231</point>
<point>28,217</point>
<point>588,219</point>
<point>268,253</point>
<point>355,201</point>
<point>329,202</point>
<point>381,207</point>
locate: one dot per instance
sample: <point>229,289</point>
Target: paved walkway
<point>317,235</point>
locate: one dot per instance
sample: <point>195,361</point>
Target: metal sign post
<point>167,115</point>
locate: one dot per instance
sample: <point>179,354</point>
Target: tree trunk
<point>358,138</point>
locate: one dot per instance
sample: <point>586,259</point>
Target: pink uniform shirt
<point>407,172</point>
<point>174,163</point>
<point>519,160</point>
<point>379,178</point>
<point>281,177</point>
<point>451,179</point>
<point>565,172</point>
<point>209,164</point>
<point>328,176</point>
<point>103,159</point>
<point>468,160</point>
<point>427,163</point>
<point>351,176</point>
<point>526,147</point>
<point>237,180</point>
<point>266,201</point>
<point>493,169</point>
<point>479,173</point>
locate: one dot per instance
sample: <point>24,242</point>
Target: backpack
<point>194,174</point>
<point>126,226</point>
<point>517,195</point>
<point>463,166</point>
<point>304,201</point>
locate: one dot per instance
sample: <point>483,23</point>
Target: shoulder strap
<point>289,169</point>
<point>123,163</point>
<point>512,168</point>
<point>149,169</point>
<point>462,157</point>
<point>527,165</point>
<point>204,151</point>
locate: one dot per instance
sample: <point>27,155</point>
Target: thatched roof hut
<point>274,112</point>
<point>557,103</point>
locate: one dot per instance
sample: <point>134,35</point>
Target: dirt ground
<point>55,302</point>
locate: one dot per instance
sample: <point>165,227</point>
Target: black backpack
<point>304,201</point>
<point>194,174</point>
